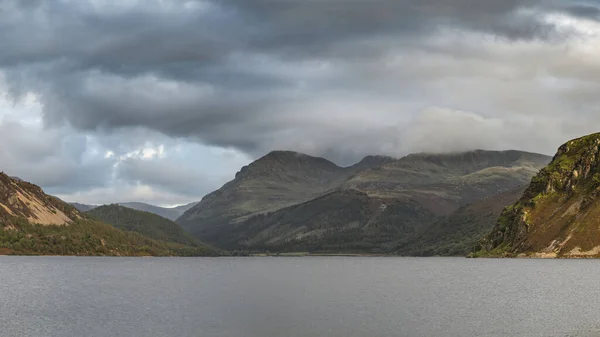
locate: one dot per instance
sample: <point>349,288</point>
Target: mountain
<point>83,207</point>
<point>287,201</point>
<point>339,221</point>
<point>165,212</point>
<point>457,233</point>
<point>277,180</point>
<point>34,223</point>
<point>557,216</point>
<point>145,223</point>
<point>169,213</point>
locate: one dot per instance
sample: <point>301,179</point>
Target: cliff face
<point>558,215</point>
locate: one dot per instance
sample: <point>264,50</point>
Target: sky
<point>163,101</point>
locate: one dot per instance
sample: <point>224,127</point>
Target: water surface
<point>298,297</point>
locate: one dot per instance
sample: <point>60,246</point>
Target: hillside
<point>165,212</point>
<point>457,233</point>
<point>558,214</point>
<point>34,223</point>
<point>346,220</point>
<point>277,180</point>
<point>287,201</point>
<point>145,223</point>
<point>444,182</point>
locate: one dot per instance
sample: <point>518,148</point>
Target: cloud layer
<point>89,88</point>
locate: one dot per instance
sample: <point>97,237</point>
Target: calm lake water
<point>298,297</point>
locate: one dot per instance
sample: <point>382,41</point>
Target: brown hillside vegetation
<point>34,223</point>
<point>558,215</point>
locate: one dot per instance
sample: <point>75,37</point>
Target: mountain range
<point>286,201</point>
<point>421,204</point>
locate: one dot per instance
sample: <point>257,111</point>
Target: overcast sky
<point>162,101</point>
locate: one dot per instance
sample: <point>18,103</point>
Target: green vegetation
<point>558,214</point>
<point>152,226</point>
<point>82,237</point>
<point>34,223</point>
<point>145,223</point>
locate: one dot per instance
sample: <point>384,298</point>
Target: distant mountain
<point>32,222</point>
<point>165,212</point>
<point>557,216</point>
<point>83,207</point>
<point>288,201</point>
<point>169,213</point>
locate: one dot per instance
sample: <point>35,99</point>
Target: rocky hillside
<point>32,222</point>
<point>20,199</point>
<point>287,201</point>
<point>558,214</point>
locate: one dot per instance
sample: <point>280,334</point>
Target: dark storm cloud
<point>317,26</point>
<point>335,78</point>
<point>208,70</point>
<point>588,10</point>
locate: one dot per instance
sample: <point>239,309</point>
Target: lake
<point>298,297</point>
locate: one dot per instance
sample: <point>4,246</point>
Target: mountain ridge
<point>275,185</point>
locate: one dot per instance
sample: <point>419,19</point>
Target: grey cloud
<point>335,78</point>
<point>50,158</point>
<point>588,10</point>
<point>164,175</point>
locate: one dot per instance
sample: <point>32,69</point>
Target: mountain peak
<point>373,161</point>
<point>277,161</point>
<point>292,156</point>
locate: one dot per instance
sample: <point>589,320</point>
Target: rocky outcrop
<point>557,215</point>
